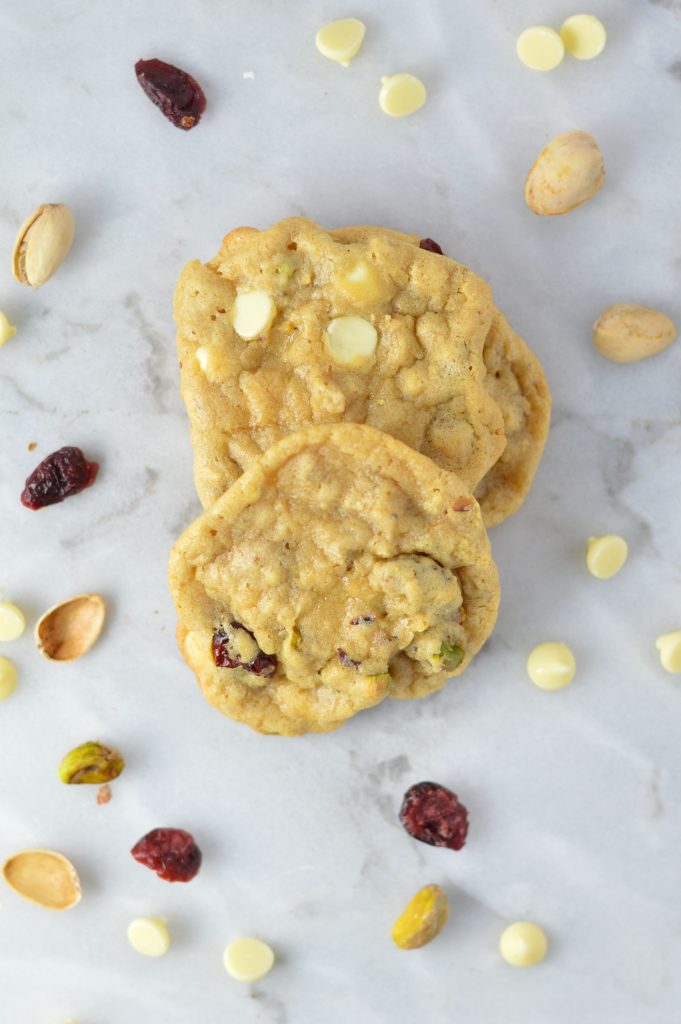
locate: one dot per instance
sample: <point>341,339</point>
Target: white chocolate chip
<point>669,646</point>
<point>253,314</point>
<point>341,40</point>
<point>551,666</point>
<point>605,556</point>
<point>149,936</point>
<point>362,283</point>
<point>6,329</point>
<point>12,621</point>
<point>8,678</point>
<point>584,36</point>
<point>401,94</point>
<point>351,341</point>
<point>248,959</point>
<point>540,48</point>
<point>202,357</point>
<point>523,944</point>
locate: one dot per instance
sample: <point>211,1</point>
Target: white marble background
<point>575,797</point>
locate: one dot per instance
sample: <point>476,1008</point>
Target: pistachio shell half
<point>42,243</point>
<point>43,877</point>
<point>91,762</point>
<point>69,630</point>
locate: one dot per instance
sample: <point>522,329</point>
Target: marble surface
<point>575,797</point>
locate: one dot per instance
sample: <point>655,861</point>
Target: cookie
<point>516,381</point>
<point>341,567</point>
<point>290,327</point>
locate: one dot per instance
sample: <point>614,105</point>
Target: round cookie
<point>263,346</point>
<point>341,567</point>
<point>515,380</point>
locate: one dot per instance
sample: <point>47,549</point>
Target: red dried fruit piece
<point>170,852</point>
<point>173,91</point>
<point>225,655</point>
<point>430,246</point>
<point>346,660</point>
<point>434,815</point>
<point>61,474</point>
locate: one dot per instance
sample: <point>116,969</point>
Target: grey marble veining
<point>574,797</point>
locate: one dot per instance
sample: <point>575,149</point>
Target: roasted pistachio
<point>42,243</point>
<point>43,877</point>
<point>423,918</point>
<point>92,763</point>
<point>69,630</point>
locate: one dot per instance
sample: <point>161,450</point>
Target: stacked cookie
<point>351,394</point>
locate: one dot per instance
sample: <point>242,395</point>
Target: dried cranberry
<point>430,246</point>
<point>176,93</point>
<point>61,474</point>
<point>346,660</point>
<point>433,814</point>
<point>225,656</point>
<point>170,852</point>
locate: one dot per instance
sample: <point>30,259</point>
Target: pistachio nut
<point>628,332</point>
<point>566,173</point>
<point>68,630</point>
<point>91,762</point>
<point>42,243</point>
<point>43,877</point>
<point>423,918</point>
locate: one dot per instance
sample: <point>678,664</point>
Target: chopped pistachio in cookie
<point>295,326</point>
<point>342,567</point>
<point>516,382</point>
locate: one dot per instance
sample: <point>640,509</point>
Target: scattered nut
<point>566,173</point>
<point>69,630</point>
<point>423,918</point>
<point>6,329</point>
<point>626,332</point>
<point>104,794</point>
<point>91,763</point>
<point>43,241</point>
<point>43,877</point>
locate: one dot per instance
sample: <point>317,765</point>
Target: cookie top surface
<point>340,568</point>
<point>291,326</point>
<point>515,380</point>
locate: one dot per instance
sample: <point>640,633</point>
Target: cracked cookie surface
<point>515,380</point>
<point>342,567</point>
<point>423,383</point>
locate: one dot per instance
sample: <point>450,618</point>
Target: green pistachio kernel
<point>91,762</point>
<point>451,654</point>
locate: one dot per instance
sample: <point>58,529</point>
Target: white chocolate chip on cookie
<point>341,40</point>
<point>362,283</point>
<point>351,341</point>
<point>253,314</point>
